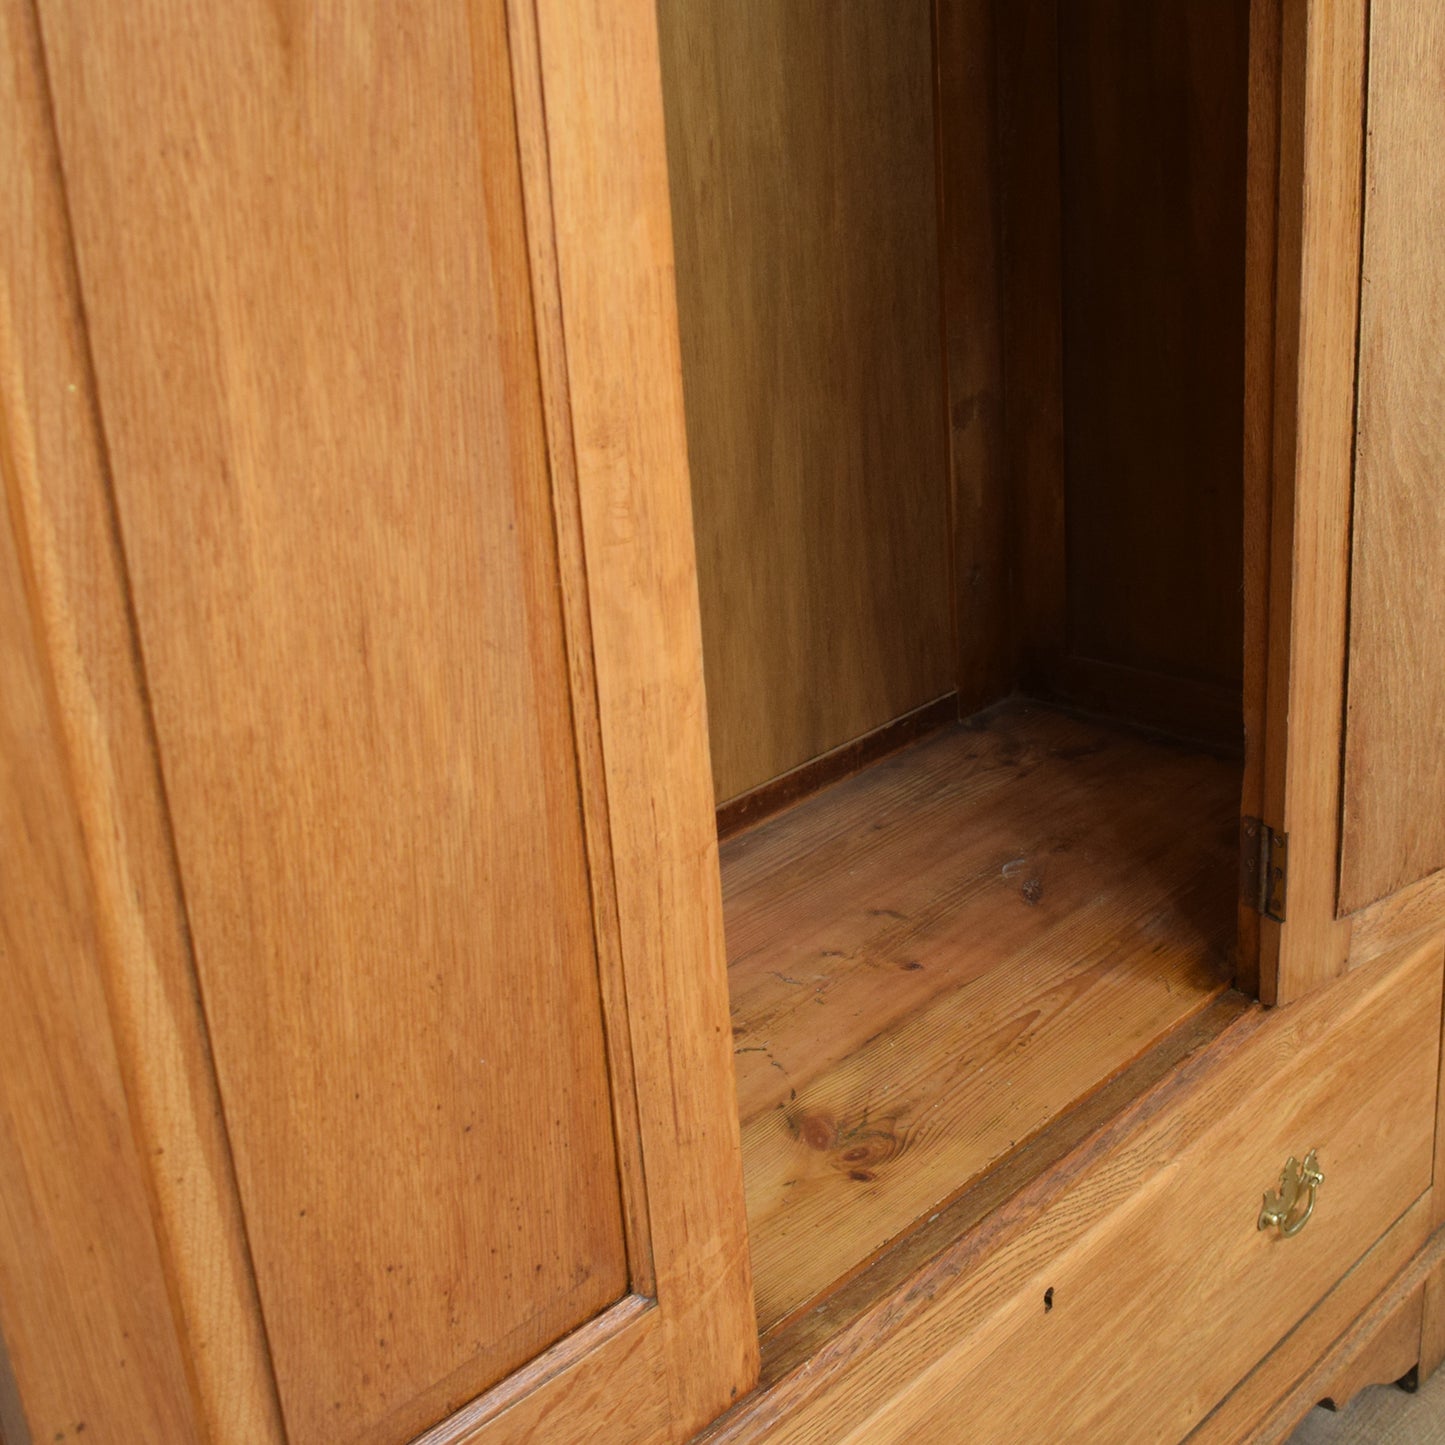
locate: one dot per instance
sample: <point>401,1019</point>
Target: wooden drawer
<point>1143,1291</point>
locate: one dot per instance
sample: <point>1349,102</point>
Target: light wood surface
<point>61,507</point>
<point>1432,1325</point>
<point>1358,1340</point>
<point>92,1341</point>
<point>340,548</point>
<point>1154,1233</point>
<point>815,1351</point>
<point>1382,1415</point>
<point>1270,1400</point>
<point>1396,920</point>
<point>608,171</point>
<point>602,1382</point>
<point>1321,130</point>
<point>1389,1352</point>
<point>377,707</point>
<point>577,624</point>
<point>801,146</point>
<point>1393,830</point>
<point>1152,119</point>
<point>993,904</point>
<point>788,1351</point>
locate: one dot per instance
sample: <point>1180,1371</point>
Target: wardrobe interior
<point>961,293</point>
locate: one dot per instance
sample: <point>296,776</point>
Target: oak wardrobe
<point>720,718</point>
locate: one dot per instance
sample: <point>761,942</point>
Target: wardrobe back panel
<point>1152,123</point>
<point>800,141</point>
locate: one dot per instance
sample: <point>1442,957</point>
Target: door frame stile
<point>613,293</point>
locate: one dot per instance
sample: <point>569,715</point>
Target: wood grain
<point>1399,919</point>
<point>1321,130</point>
<point>1393,829</point>
<point>1388,1353</point>
<point>1163,1214</point>
<point>577,624</point>
<point>1286,1374</point>
<point>345,579</point>
<point>1153,107</point>
<point>800,141</point>
<point>1432,1323</point>
<point>1432,1327</point>
<point>788,788</point>
<point>92,1342</point>
<point>813,1351</point>
<point>789,1348</point>
<point>603,1382</point>
<point>61,507</point>
<point>852,886</point>
<point>987,904</point>
<point>608,168</point>
<point>970,233</point>
<point>1294,1377</point>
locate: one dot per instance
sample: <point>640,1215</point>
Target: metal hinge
<point>1263,867</point>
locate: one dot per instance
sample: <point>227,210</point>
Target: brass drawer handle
<point>1281,1209</point>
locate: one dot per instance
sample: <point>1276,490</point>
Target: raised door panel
<point>304,264</point>
<point>1394,761</point>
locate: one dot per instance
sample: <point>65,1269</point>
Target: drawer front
<point>1158,1292</point>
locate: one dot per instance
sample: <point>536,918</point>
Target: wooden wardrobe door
<point>1307,64</point>
<point>1345,446</point>
<point>451,892</point>
<point>1394,784</point>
